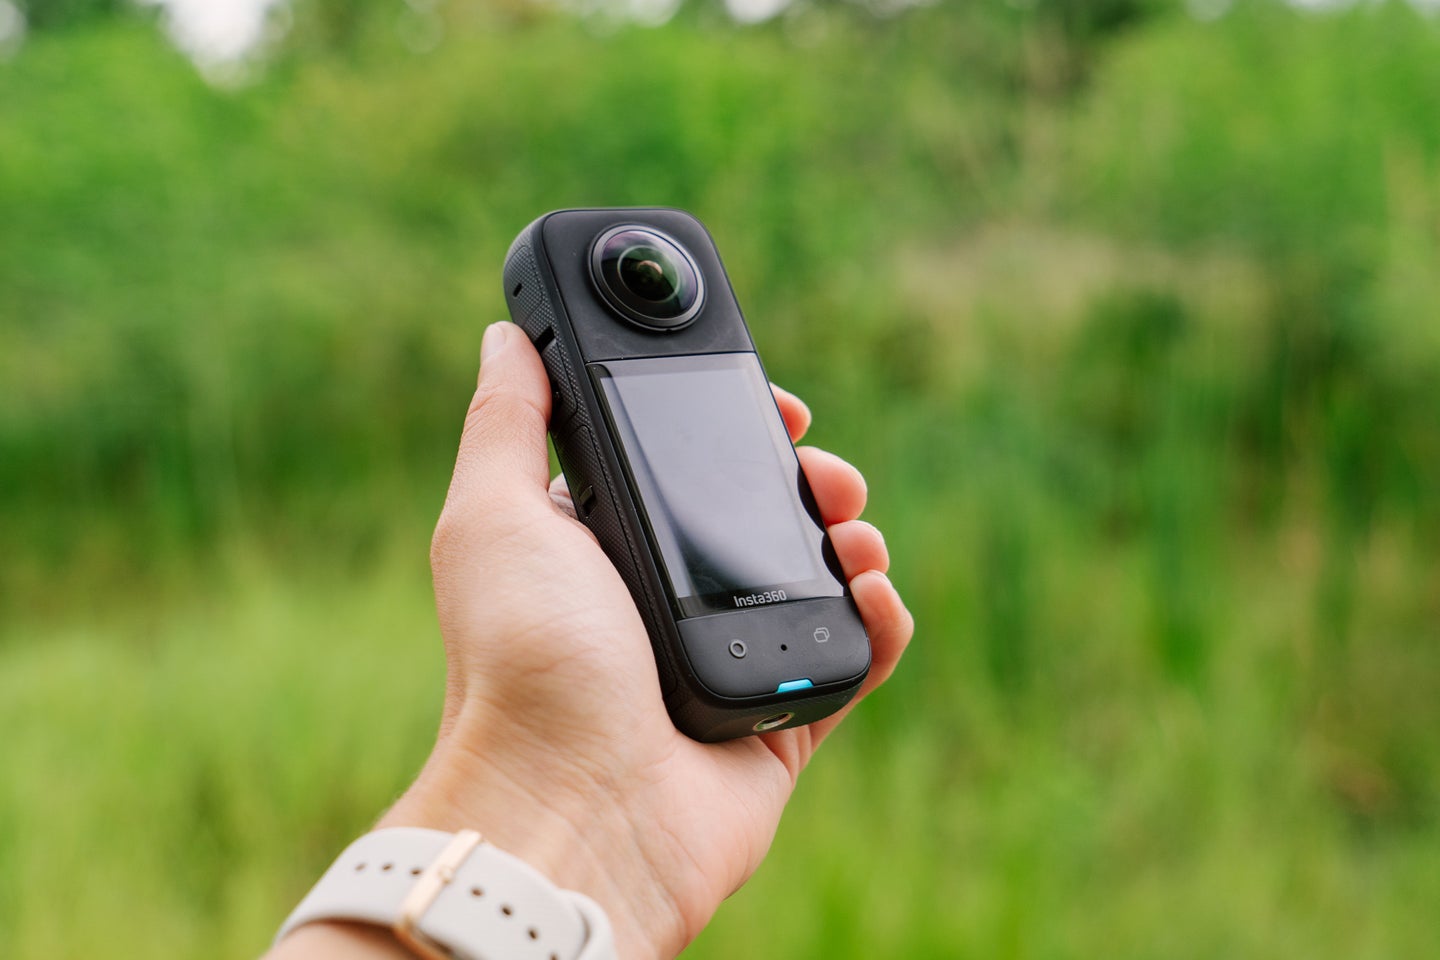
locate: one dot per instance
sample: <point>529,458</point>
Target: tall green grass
<point>1128,319</point>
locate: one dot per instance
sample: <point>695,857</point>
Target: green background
<point>1128,314</point>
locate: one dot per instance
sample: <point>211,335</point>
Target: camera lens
<point>647,277</point>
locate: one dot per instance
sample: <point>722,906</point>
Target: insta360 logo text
<point>755,599</point>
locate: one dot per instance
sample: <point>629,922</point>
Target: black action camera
<point>678,461</point>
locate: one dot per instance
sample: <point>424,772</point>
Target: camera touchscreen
<point>718,481</point>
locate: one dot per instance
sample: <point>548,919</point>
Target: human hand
<point>555,742</point>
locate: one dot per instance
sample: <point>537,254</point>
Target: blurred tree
<point>1068,36</point>
<point>1083,20</point>
<point>335,24</point>
<point>51,14</point>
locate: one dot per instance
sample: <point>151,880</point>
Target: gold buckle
<point>427,888</point>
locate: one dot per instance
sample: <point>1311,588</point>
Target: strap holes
<point>534,934</point>
<point>416,871</point>
<point>476,892</point>
<point>507,909</point>
<point>386,867</point>
<point>359,866</point>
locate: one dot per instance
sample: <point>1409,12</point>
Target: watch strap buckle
<point>428,887</point>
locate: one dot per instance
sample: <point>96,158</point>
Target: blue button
<point>789,685</point>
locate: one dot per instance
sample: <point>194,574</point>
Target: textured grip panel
<point>522,285</point>
<point>532,311</point>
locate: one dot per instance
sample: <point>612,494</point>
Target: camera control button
<point>738,649</point>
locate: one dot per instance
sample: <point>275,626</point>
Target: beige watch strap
<point>452,896</point>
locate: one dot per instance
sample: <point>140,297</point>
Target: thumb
<point>503,459</point>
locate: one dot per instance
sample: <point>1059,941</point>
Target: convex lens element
<point>648,273</point>
<point>647,277</point>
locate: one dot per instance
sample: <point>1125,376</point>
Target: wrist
<point>350,941</point>
<point>571,828</point>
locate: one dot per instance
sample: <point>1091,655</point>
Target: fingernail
<point>493,341</point>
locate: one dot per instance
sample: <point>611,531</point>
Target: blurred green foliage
<point>59,14</point>
<point>1128,317</point>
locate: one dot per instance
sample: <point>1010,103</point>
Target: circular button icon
<point>738,649</point>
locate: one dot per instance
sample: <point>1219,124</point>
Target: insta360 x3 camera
<point>678,461</point>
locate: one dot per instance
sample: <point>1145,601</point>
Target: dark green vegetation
<point>1130,319</point>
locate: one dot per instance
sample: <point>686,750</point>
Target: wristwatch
<point>454,897</point>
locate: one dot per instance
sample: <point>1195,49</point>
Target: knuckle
<point>495,409</point>
<point>445,541</point>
